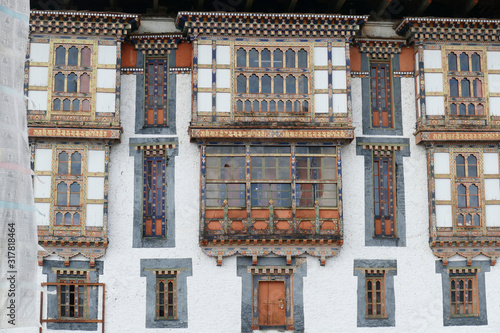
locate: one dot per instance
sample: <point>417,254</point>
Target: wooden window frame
<point>385,224</point>
<point>454,102</point>
<point>296,102</point>
<point>381,117</point>
<point>375,299</point>
<point>166,304</point>
<point>249,181</point>
<point>154,213</point>
<point>77,282</point>
<point>156,102</point>
<point>469,295</point>
<point>467,182</point>
<point>85,98</point>
<point>68,179</point>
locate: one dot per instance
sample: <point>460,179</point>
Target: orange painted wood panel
<point>355,59</point>
<point>328,214</point>
<point>129,55</point>
<point>407,60</point>
<point>305,213</point>
<point>272,303</point>
<point>237,213</point>
<point>283,213</point>
<point>260,213</point>
<point>214,213</point>
<point>184,55</point>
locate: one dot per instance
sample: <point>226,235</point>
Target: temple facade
<point>239,172</point>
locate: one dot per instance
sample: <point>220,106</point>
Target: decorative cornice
<point>449,29</point>
<point>269,24</point>
<point>380,48</point>
<point>91,23</point>
<point>156,44</point>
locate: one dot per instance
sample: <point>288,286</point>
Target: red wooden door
<point>272,303</point>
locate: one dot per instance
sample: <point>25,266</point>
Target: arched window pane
<point>57,104</point>
<point>73,56</point>
<point>72,83</point>
<point>302,61</point>
<point>473,196</point>
<point>476,62</point>
<point>76,105</point>
<point>471,166</point>
<point>253,58</point>
<point>263,106</point>
<point>461,109</point>
<point>247,106</point>
<point>290,58</point>
<point>85,62</point>
<point>470,110</point>
<point>266,84</point>
<point>161,286</point>
<point>61,56</point>
<point>461,196</point>
<point>272,106</point>
<point>305,106</point>
<point>465,88</point>
<point>464,62</point>
<point>468,220</point>
<point>477,221</point>
<point>255,106</point>
<point>74,197</point>
<point>477,87</point>
<point>86,105</point>
<point>288,106</point>
<point>62,194</point>
<point>265,58</point>
<point>303,84</point>
<point>62,168</point>
<point>281,106</point>
<point>454,88</point>
<point>479,110</point>
<point>296,106</point>
<point>460,163</point>
<point>84,83</point>
<point>278,84</point>
<point>59,219</point>
<point>76,219</point>
<point>239,105</point>
<point>453,109</point>
<point>59,82</point>
<point>452,62</point>
<point>76,163</point>
<point>460,224</point>
<point>241,58</point>
<point>67,219</point>
<point>278,58</point>
<point>290,84</point>
<point>241,84</point>
<point>66,104</point>
<point>253,84</point>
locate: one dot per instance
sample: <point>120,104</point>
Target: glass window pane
<point>59,82</point>
<point>465,88</point>
<point>278,58</point>
<point>278,84</point>
<point>67,221</point>
<point>57,104</point>
<point>72,83</point>
<point>62,194</point>
<point>66,105</point>
<point>63,163</point>
<point>241,58</point>
<point>303,84</point>
<point>266,84</point>
<point>464,62</point>
<point>452,62</point>
<point>265,58</point>
<point>73,56</point>
<point>253,84</point>
<point>290,58</point>
<point>86,105</point>
<point>85,62</point>
<point>84,83</point>
<point>454,88</point>
<point>76,163</point>
<point>60,56</point>
<point>290,84</point>
<point>476,62</point>
<point>253,58</point>
<point>302,55</point>
<point>75,105</point>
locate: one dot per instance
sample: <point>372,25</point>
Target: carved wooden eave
<point>91,249</point>
<point>83,23</point>
<point>456,136</point>
<point>269,24</point>
<point>380,48</point>
<point>74,133</point>
<point>156,44</point>
<point>447,248</point>
<point>449,29</point>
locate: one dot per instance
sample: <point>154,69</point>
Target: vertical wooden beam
<point>422,7</point>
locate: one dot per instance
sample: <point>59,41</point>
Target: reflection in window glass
<point>464,62</point>
<point>476,62</point>
<point>85,62</point>
<point>253,83</point>
<point>278,58</point>
<point>290,58</point>
<point>265,58</point>
<point>72,83</point>
<point>253,58</point>
<point>62,194</point>
<point>73,56</point>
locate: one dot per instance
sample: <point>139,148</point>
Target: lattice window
<point>381,94</point>
<point>384,194</point>
<point>272,79</point>
<point>156,107</point>
<point>166,297</point>
<point>270,176</point>
<point>466,81</point>
<point>72,76</point>
<point>468,190</point>
<point>464,295</point>
<point>154,194</point>
<point>72,298</point>
<point>69,183</point>
<point>375,295</point>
